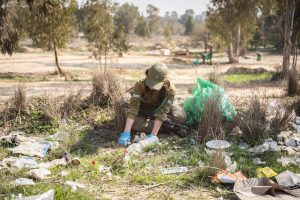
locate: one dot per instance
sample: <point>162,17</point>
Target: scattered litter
<point>13,138</point>
<point>39,174</point>
<point>64,173</point>
<point>201,163</point>
<point>127,159</point>
<point>75,186</point>
<point>227,177</point>
<point>33,146</point>
<point>53,163</point>
<point>218,144</point>
<point>230,166</point>
<point>237,131</point>
<point>209,152</point>
<point>104,169</point>
<point>296,127</point>
<point>290,150</point>
<point>286,161</point>
<point>49,195</point>
<point>192,141</point>
<point>174,170</point>
<point>265,172</point>
<point>24,181</point>
<point>136,148</point>
<point>136,139</point>
<point>259,189</point>
<point>75,161</point>
<point>268,145</point>
<point>17,164</point>
<point>288,179</point>
<point>257,161</point>
<point>297,120</point>
<point>244,145</point>
<point>292,142</point>
<point>219,198</point>
<point>67,156</point>
<point>54,145</point>
<point>150,154</point>
<point>60,136</point>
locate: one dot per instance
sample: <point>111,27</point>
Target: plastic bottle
<point>136,148</point>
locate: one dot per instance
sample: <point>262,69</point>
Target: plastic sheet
<point>195,104</point>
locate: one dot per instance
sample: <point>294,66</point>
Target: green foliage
<point>142,28</point>
<point>52,22</point>
<point>246,78</point>
<point>100,29</point>
<point>188,21</point>
<point>127,16</point>
<point>153,18</point>
<point>9,34</point>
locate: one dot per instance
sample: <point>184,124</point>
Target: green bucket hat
<point>156,76</point>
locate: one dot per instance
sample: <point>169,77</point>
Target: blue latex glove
<point>124,139</point>
<point>149,135</point>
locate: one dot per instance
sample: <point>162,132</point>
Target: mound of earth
<point>244,70</point>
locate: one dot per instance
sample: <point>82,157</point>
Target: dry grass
<point>210,125</point>
<point>15,105</point>
<point>50,107</point>
<point>216,163</point>
<point>292,83</point>
<point>106,89</point>
<point>120,110</point>
<point>252,122</point>
<point>71,103</point>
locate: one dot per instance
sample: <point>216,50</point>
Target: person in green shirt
<point>151,98</point>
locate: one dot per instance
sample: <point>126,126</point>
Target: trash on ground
<point>60,136</point>
<point>268,145</point>
<point>218,144</point>
<point>75,186</point>
<point>24,181</point>
<point>260,189</point>
<point>127,159</point>
<point>53,163</point>
<point>201,163</point>
<point>288,179</point>
<point>32,146</point>
<point>136,139</point>
<point>54,145</point>
<point>102,168</point>
<point>39,174</point>
<point>265,172</point>
<point>17,164</point>
<point>13,138</point>
<point>258,161</point>
<point>227,177</point>
<point>64,173</point>
<point>49,195</point>
<point>174,170</point>
<point>75,161</point>
<point>230,166</point>
<point>194,105</point>
<point>192,141</point>
<point>286,161</point>
<point>244,145</point>
<point>137,148</point>
<point>275,109</point>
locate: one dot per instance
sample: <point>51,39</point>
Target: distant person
<point>152,99</point>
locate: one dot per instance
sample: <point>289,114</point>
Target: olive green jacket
<point>161,101</point>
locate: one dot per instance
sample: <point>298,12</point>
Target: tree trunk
<point>231,58</point>
<point>289,16</point>
<point>295,52</point>
<point>56,59</point>
<point>238,40</point>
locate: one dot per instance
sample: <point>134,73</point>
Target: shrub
<point>71,103</point>
<point>210,125</point>
<point>106,89</point>
<point>252,122</point>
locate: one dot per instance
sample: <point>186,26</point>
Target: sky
<point>168,5</point>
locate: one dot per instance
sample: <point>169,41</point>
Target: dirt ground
<point>129,68</point>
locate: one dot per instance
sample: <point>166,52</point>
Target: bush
<point>106,89</point>
<point>71,103</point>
<point>210,125</point>
<point>252,122</point>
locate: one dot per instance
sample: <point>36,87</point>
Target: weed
<point>71,103</point>
<point>210,125</point>
<point>252,122</point>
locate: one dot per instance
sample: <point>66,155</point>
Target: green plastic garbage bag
<point>194,105</point>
